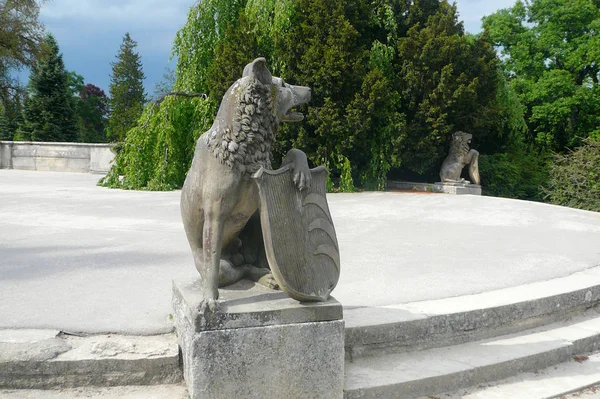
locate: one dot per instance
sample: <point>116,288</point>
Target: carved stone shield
<point>300,241</point>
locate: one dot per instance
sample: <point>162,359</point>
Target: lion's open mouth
<point>292,117</point>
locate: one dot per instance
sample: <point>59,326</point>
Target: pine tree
<point>6,131</point>
<point>49,111</point>
<point>11,113</point>
<point>127,95</point>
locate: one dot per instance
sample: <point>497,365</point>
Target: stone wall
<point>56,157</point>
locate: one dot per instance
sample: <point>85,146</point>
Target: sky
<point>89,32</point>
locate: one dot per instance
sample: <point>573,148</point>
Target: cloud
<point>152,23</point>
<point>131,12</point>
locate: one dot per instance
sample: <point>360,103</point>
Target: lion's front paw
<point>208,305</point>
<point>269,281</point>
<point>302,178</point>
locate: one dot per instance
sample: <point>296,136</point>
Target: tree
<point>50,110</point>
<point>93,114</point>
<point>551,56</point>
<point>76,83</point>
<point>127,97</point>
<point>165,85</point>
<point>158,151</point>
<point>21,35</point>
<point>448,82</point>
<point>11,112</point>
<point>239,45</point>
<point>325,48</point>
<point>369,64</point>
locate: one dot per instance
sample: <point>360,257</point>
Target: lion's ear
<point>257,69</point>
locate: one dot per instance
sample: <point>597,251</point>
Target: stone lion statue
<point>460,155</point>
<point>219,199</point>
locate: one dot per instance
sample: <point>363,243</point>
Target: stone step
<point>437,323</point>
<point>171,391</point>
<point>560,381</point>
<point>45,359</point>
<point>430,372</point>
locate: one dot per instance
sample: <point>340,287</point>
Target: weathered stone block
<point>24,163</point>
<point>458,188</point>
<point>261,344</point>
<point>62,164</point>
<point>6,154</point>
<point>101,157</point>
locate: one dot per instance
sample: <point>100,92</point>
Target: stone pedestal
<point>458,188</point>
<point>261,344</point>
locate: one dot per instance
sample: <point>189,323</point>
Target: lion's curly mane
<point>459,148</point>
<point>246,144</point>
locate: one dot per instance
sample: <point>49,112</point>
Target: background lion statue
<point>459,156</point>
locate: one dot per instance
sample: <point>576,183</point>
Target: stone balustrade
<point>56,157</point>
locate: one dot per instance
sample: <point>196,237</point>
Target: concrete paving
<point>77,257</point>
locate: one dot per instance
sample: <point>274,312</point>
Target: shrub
<point>575,178</point>
<point>518,174</point>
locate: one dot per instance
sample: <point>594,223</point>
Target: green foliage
<point>127,95</point>
<point>158,152</point>
<point>50,109</point>
<point>550,51</point>
<point>11,113</point>
<point>239,45</point>
<point>165,85</point>
<point>269,21</point>
<point>326,50</point>
<point>377,129</point>
<point>21,35</point>
<point>390,80</point>
<point>75,82</point>
<point>346,181</point>
<point>448,82</point>
<point>551,58</point>
<point>92,110</point>
<point>197,40</point>
<point>517,174</point>
<point>91,106</point>
<point>575,178</point>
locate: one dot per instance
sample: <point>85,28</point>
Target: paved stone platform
<point>77,257</point>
